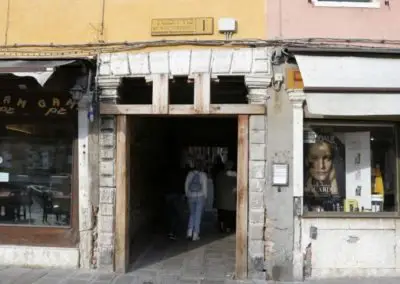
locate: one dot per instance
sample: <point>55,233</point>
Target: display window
<point>38,181</point>
<point>350,167</point>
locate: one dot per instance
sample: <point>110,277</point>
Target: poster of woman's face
<point>319,160</point>
<point>321,156</point>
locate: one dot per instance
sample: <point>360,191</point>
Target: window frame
<point>348,123</point>
<point>65,236</point>
<point>374,4</point>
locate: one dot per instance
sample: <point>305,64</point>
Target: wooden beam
<point>242,197</point>
<point>117,109</point>
<point>202,92</point>
<point>182,110</point>
<point>160,99</point>
<point>121,258</point>
<point>218,109</point>
<point>238,109</point>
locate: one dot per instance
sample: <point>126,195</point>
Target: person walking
<point>196,194</point>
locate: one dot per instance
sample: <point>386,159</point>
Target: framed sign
<point>280,174</point>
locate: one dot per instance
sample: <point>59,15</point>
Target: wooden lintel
<point>181,110</point>
<point>116,109</point>
<point>202,92</point>
<point>242,197</point>
<point>216,109</point>
<point>237,109</point>
<point>160,99</point>
<point>121,256</point>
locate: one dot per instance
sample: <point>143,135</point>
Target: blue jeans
<point>196,208</point>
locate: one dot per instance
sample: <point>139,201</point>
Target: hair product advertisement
<point>337,167</point>
<point>358,168</point>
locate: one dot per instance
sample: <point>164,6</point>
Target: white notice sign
<point>280,174</point>
<point>4,177</point>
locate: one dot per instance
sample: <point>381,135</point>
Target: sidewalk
<point>17,275</point>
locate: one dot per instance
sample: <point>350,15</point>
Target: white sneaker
<point>196,237</point>
<point>189,234</point>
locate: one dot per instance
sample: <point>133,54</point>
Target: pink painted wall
<point>300,19</point>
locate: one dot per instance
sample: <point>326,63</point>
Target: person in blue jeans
<point>196,194</point>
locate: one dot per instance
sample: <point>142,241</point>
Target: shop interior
<point>35,172</point>
<point>162,149</point>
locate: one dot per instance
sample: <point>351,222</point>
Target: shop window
<point>36,173</point>
<point>347,3</point>
<point>350,168</point>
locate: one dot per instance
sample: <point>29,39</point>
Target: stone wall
<point>257,163</point>
<point>105,227</point>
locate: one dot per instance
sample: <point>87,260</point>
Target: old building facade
<point>150,47</point>
<point>339,85</point>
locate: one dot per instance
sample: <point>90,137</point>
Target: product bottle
<point>378,184</point>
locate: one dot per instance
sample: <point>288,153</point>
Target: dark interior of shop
<point>160,149</point>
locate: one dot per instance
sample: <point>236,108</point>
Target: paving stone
<point>83,275</point>
<point>169,279</point>
<point>190,281</point>
<point>75,281</point>
<point>213,282</point>
<point>30,276</point>
<point>49,281</point>
<point>60,273</point>
<point>125,279</point>
<point>105,277</point>
<point>15,271</point>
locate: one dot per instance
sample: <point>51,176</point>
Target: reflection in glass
<point>35,174</point>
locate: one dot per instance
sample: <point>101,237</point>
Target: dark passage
<point>161,153</point>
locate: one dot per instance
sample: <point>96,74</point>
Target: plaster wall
<point>93,21</point>
<point>301,19</point>
<point>279,201</point>
<point>350,247</point>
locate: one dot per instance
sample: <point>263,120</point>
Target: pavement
<point>208,261</point>
<point>19,275</point>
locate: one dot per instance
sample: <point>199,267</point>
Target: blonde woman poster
<point>324,171</point>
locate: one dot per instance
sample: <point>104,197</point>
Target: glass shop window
<point>349,168</point>
<point>35,173</point>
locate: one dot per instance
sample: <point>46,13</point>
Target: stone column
<point>105,221</point>
<point>297,98</point>
<point>85,204</point>
<point>257,94</point>
<point>257,87</point>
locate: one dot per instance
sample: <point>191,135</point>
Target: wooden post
<point>242,197</point>
<point>202,93</point>
<point>160,94</point>
<point>121,260</point>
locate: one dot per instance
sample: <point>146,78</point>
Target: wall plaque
<point>182,26</point>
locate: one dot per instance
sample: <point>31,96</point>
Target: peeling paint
<point>94,252</point>
<point>307,269</point>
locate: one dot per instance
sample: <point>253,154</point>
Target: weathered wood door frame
<point>122,179</point>
<point>121,258</point>
<point>242,197</point>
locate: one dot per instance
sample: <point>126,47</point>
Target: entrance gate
<point>256,83</point>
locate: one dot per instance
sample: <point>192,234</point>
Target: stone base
<point>39,256</point>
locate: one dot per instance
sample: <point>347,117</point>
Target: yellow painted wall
<point>80,21</point>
